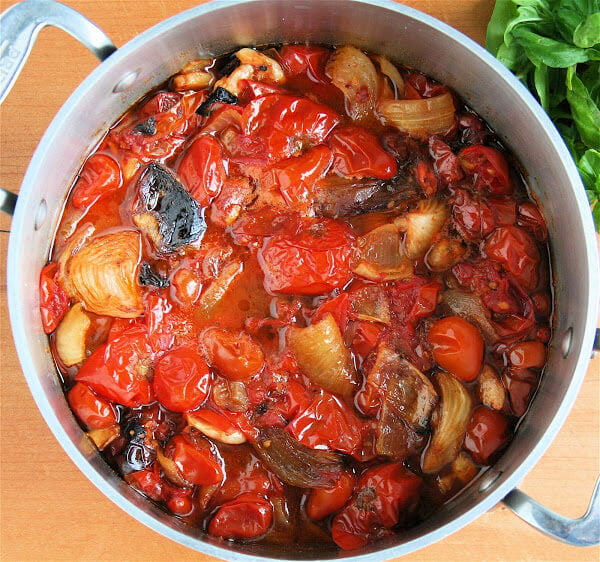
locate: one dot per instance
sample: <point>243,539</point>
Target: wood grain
<point>50,511</point>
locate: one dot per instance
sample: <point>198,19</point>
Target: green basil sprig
<point>553,47</point>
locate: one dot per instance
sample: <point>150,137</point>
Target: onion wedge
<point>71,335</point>
<point>419,118</point>
<point>454,415</point>
<point>323,357</point>
<point>356,76</point>
<point>103,275</point>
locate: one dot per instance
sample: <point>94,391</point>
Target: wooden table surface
<point>50,511</point>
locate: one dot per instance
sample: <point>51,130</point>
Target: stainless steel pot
<point>379,25</point>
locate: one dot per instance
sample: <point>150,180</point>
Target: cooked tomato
<point>518,253</point>
<point>457,347</point>
<point>202,169</point>
<point>310,257</point>
<point>196,459</point>
<point>488,432</point>
<point>446,163</point>
<point>530,218</point>
<point>357,153</point>
<point>488,167</point>
<point>527,355</point>
<point>305,59</point>
<point>327,423</point>
<point>426,177</point>
<point>148,481</point>
<point>246,517</point>
<point>288,125</point>
<point>119,370</point>
<point>54,302</point>
<point>297,176</point>
<point>92,411</point>
<point>234,354</point>
<point>325,501</point>
<point>100,174</point>
<point>384,494</point>
<point>181,379</point>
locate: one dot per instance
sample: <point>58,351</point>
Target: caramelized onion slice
<point>462,471</point>
<point>71,335</point>
<point>296,464</point>
<point>103,437</point>
<point>421,225</point>
<point>381,256</point>
<point>103,275</point>
<point>421,117</point>
<point>454,415</point>
<point>323,357</point>
<point>388,69</point>
<point>355,75</point>
<point>370,303</point>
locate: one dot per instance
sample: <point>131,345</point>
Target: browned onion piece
<point>103,437</point>
<point>445,253</point>
<point>296,464</point>
<point>389,69</point>
<point>337,196</point>
<point>381,256</point>
<point>103,275</point>
<point>408,401</point>
<point>421,117</point>
<point>355,75</point>
<point>470,307</point>
<point>462,471</point>
<point>454,414</point>
<point>217,290</point>
<point>370,303</point>
<point>323,357</point>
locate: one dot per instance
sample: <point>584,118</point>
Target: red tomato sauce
<point>270,287</point>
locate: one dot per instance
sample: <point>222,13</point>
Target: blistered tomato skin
<point>325,501</point>
<point>246,517</point>
<point>92,411</point>
<point>196,460</point>
<point>488,432</point>
<point>100,175</point>
<point>311,258</point>
<point>54,302</point>
<point>234,354</point>
<point>181,379</point>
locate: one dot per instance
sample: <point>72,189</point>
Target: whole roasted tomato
<point>309,256</point>
<point>92,411</point>
<point>100,174</point>
<point>383,494</point>
<point>181,379</point>
<point>246,517</point>
<point>488,168</point>
<point>119,369</point>
<point>54,302</point>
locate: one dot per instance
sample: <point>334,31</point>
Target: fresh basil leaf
<point>504,12</point>
<point>587,33</point>
<point>557,54</point>
<point>589,168</point>
<point>540,79</point>
<point>585,113</point>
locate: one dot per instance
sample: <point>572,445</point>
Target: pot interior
<point>390,29</point>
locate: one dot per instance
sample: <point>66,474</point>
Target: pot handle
<point>21,24</point>
<point>584,531</point>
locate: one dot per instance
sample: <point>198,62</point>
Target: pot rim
<point>17,290</point>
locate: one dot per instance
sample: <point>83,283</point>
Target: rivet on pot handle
<point>584,531</point>
<point>21,24</point>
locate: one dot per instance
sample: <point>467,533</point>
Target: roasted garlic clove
<point>71,335</point>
